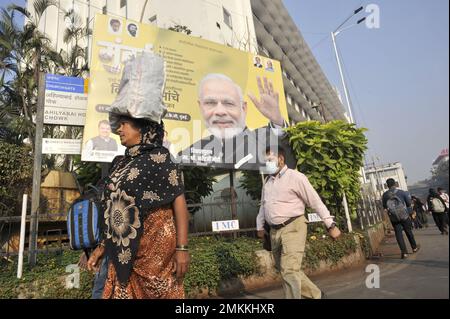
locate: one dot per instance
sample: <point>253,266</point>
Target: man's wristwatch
<point>332,226</point>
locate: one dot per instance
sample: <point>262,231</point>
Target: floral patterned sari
<point>138,225</point>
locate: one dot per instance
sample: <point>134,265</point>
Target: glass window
<point>153,19</point>
<point>123,3</point>
<point>227,18</point>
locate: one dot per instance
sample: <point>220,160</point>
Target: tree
<point>440,177</point>
<point>24,53</point>
<point>198,183</point>
<point>330,155</point>
<point>15,176</point>
<point>181,29</point>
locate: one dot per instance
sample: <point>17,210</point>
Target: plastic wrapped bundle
<point>140,91</point>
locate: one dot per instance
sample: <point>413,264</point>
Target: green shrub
<point>327,249</point>
<point>15,177</point>
<point>45,280</point>
<point>331,155</point>
<point>217,259</point>
<point>212,261</point>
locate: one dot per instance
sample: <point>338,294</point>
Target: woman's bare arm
<point>182,257</point>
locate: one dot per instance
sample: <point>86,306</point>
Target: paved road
<point>423,275</point>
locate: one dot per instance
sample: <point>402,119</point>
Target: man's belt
<point>279,226</point>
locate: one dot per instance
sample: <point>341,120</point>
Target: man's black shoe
<point>415,250</point>
<point>323,295</point>
<point>404,256</point>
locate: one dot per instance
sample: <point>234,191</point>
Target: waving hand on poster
<point>268,104</point>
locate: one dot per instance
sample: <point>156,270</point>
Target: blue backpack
<point>83,221</point>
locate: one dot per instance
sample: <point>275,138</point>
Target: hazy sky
<point>398,75</point>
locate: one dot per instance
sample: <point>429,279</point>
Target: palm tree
<point>24,52</point>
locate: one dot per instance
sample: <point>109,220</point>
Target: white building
<point>443,157</point>
<point>259,26</point>
<point>309,94</point>
<point>377,176</point>
<point>228,22</point>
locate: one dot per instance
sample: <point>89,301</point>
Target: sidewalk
<point>423,275</point>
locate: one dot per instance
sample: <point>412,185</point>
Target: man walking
<point>397,203</point>
<point>437,207</point>
<point>446,200</point>
<point>284,197</point>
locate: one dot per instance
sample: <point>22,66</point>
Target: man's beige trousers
<point>288,248</point>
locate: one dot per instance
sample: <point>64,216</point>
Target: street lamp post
<point>347,98</point>
<point>333,37</point>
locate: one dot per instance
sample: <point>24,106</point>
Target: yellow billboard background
<point>188,59</point>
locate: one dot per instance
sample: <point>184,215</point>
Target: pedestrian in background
<point>445,197</point>
<point>397,203</point>
<point>418,208</point>
<point>436,206</point>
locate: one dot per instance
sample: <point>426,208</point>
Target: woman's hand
<point>181,266</point>
<point>95,257</point>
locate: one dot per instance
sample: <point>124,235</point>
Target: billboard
<point>224,105</point>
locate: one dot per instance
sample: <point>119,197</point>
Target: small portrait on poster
<point>257,62</point>
<point>103,141</point>
<point>132,29</point>
<point>115,26</point>
<point>269,66</point>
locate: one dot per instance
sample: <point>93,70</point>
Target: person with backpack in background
<point>444,196</point>
<point>436,205</point>
<point>397,203</point>
<point>446,199</point>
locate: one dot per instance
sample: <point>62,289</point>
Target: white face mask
<point>271,167</point>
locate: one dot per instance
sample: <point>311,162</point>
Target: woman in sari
<point>145,218</point>
<point>420,212</point>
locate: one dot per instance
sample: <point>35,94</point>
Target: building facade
<point>442,157</point>
<point>309,94</point>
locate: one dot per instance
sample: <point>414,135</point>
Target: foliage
<point>217,259</point>
<point>198,183</point>
<point>440,176</point>
<point>326,249</point>
<point>331,155</point>
<point>24,52</point>
<point>181,29</point>
<point>212,260</point>
<point>252,183</point>
<point>45,280</point>
<point>87,172</point>
<point>16,173</point>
